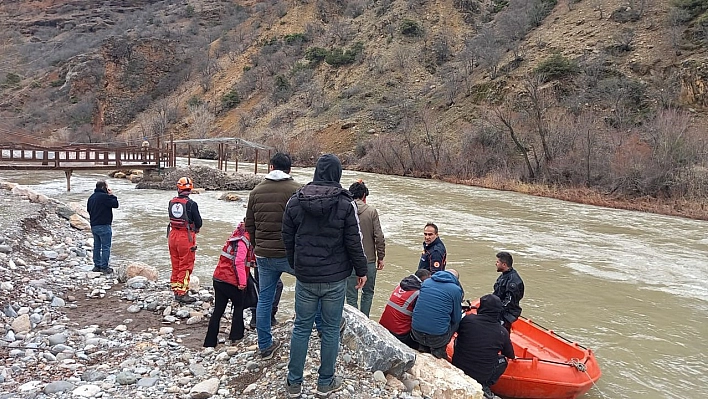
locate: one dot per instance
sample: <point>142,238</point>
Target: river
<point>632,286</point>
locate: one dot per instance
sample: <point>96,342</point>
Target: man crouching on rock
<point>185,222</point>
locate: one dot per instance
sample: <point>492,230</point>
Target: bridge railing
<point>81,155</point>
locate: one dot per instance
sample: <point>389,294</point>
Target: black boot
<point>184,298</point>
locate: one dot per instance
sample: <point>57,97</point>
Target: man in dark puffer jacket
<point>323,242</point>
<point>480,339</point>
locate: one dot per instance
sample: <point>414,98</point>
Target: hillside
<point>609,95</point>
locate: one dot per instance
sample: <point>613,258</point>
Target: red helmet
<point>185,183</point>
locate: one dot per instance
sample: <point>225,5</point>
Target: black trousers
<point>497,372</point>
<point>276,299</point>
<point>436,345</point>
<point>223,293</point>
<point>407,339</point>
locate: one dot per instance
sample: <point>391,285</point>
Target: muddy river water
<point>632,286</point>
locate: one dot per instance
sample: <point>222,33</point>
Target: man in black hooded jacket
<point>323,243</point>
<point>480,338</point>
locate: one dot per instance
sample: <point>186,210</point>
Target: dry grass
<point>691,209</point>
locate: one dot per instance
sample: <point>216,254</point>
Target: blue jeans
<point>102,235</point>
<point>329,298</point>
<point>269,272</point>
<point>367,291</point>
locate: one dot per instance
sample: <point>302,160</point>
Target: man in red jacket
<point>398,313</point>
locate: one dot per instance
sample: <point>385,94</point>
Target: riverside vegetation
<point>598,101</point>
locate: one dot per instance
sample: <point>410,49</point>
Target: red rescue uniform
<point>185,222</point>
<point>398,313</point>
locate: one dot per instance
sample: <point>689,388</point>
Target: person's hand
<point>242,287</point>
<point>360,281</point>
<point>109,191</point>
<point>380,264</point>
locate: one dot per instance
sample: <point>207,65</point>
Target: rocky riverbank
<point>68,332</point>
<point>204,178</point>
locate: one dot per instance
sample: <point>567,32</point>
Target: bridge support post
<point>67,173</point>
<point>255,163</point>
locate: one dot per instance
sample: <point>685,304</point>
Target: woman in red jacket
<point>230,284</point>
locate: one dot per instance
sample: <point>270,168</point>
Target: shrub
<point>12,79</point>
<point>57,83</point>
<point>693,7</point>
<point>498,5</point>
<point>194,101</point>
<point>230,99</point>
<point>316,54</point>
<point>411,28</point>
<point>556,67</point>
<point>338,57</point>
<point>189,11</point>
<point>295,38</point>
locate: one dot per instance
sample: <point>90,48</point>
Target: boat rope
<point>582,368</point>
<point>578,365</point>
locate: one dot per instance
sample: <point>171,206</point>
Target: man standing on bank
<point>185,222</point>
<point>374,247</point>
<point>323,242</point>
<point>509,287</point>
<point>100,208</point>
<point>434,257</point>
<point>264,222</point>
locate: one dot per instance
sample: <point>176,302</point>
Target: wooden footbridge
<point>22,156</point>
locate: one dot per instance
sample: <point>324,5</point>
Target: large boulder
<point>80,208</point>
<point>374,346</point>
<point>78,222</point>
<point>30,194</point>
<point>205,389</point>
<point>441,380</point>
<point>140,269</point>
<point>230,197</point>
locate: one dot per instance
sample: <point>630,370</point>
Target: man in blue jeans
<point>323,243</point>
<point>100,208</point>
<point>264,220</point>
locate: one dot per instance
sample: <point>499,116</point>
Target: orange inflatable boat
<point>547,366</point>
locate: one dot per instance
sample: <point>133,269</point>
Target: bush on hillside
<point>339,57</point>
<point>556,67</point>
<point>295,38</point>
<point>12,79</point>
<point>411,28</point>
<point>693,7</point>
<point>230,99</point>
<point>316,54</point>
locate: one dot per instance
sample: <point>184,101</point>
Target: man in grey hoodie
<point>323,242</point>
<point>264,220</point>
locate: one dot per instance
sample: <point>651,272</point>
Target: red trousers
<point>182,253</point>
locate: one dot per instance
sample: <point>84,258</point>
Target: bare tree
<point>156,121</point>
<point>467,58</point>
<point>402,57</point>
<point>512,25</point>
<point>507,119</point>
<point>487,49</point>
<point>202,120</point>
<point>433,136</point>
<point>537,104</point>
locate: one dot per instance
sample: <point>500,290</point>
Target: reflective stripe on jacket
<point>398,313</point>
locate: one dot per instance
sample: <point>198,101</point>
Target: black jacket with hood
<point>321,228</point>
<point>480,338</point>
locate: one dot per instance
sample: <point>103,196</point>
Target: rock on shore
<point>67,332</point>
<point>205,178</point>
